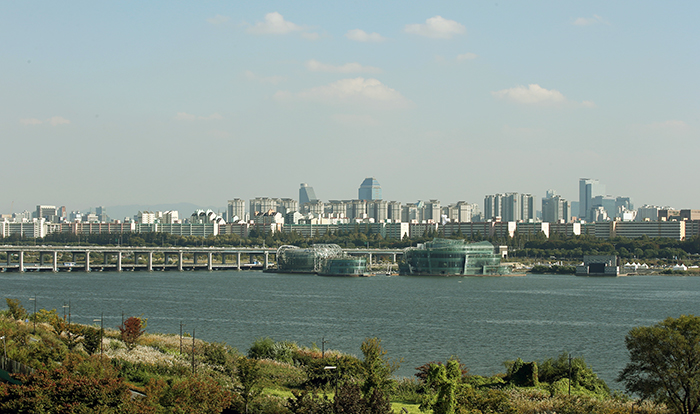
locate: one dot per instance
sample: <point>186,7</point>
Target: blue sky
<point>129,103</point>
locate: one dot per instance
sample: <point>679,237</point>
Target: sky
<point>120,103</point>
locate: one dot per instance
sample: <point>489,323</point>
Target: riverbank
<point>207,376</point>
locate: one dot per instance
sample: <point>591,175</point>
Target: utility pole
<point>569,375</point>
<point>323,346</point>
<point>181,325</point>
<point>193,350</point>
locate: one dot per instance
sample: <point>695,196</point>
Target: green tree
<point>91,340</point>
<point>377,367</point>
<point>16,309</point>
<point>250,377</point>
<point>665,363</point>
<point>443,381</point>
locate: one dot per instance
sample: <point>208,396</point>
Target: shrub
<point>131,330</point>
<point>261,348</point>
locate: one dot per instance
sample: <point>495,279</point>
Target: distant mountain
<point>185,209</point>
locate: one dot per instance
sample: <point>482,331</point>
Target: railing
<point>14,367</point>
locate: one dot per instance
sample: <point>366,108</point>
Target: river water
<point>482,320</point>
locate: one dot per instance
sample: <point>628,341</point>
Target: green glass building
<point>445,257</point>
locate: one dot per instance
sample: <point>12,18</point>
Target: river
<point>482,320</point>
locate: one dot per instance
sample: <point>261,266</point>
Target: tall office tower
<point>394,211</point>
<point>369,190</point>
<point>587,189</point>
<point>306,194</point>
<point>555,209</point>
<point>236,208</point>
<point>262,205</point>
<point>101,213</point>
<point>50,213</point>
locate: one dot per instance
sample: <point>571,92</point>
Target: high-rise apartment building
<point>236,208</point>
<point>262,205</point>
<point>287,205</point>
<point>555,209</point>
<point>394,211</point>
<point>306,194</point>
<point>369,190</point>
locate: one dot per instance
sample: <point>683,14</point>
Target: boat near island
<point>444,257</point>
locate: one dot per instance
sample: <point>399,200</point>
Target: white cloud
<point>437,28</point>
<point>264,79</point>
<point>58,120</point>
<point>218,19</point>
<point>310,36</point>
<point>360,35</point>
<point>30,121</point>
<point>355,120</point>
<point>467,56</point>
<point>353,91</point>
<point>54,121</point>
<point>533,94</point>
<point>671,125</point>
<point>184,116</point>
<point>587,21</point>
<point>354,67</point>
<point>274,24</point>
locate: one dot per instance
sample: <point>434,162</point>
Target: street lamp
<point>323,347</point>
<point>102,329</point>
<point>34,299</point>
<point>333,367</point>
<point>4,345</point>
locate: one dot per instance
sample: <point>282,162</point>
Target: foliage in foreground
<point>665,363</point>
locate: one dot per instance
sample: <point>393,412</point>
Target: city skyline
<point>160,103</point>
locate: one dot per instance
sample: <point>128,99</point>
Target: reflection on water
<point>483,321</point>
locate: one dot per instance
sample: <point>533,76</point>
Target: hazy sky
<point>115,103</point>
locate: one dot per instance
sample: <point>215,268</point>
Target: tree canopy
<point>665,363</point>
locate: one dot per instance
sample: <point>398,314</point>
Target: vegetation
<point>665,363</point>
<point>131,330</point>
<point>283,377</point>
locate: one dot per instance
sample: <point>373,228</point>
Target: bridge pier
<point>21,261</point>
<point>238,260</point>
<point>209,261</point>
<point>55,261</point>
<point>119,261</point>
<point>179,260</point>
<point>267,260</point>
<point>150,261</point>
<point>87,260</point>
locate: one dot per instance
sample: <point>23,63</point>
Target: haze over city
<point>130,103</point>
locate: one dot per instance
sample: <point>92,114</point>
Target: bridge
<point>121,258</point>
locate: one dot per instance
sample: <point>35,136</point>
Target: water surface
<point>482,320</point>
